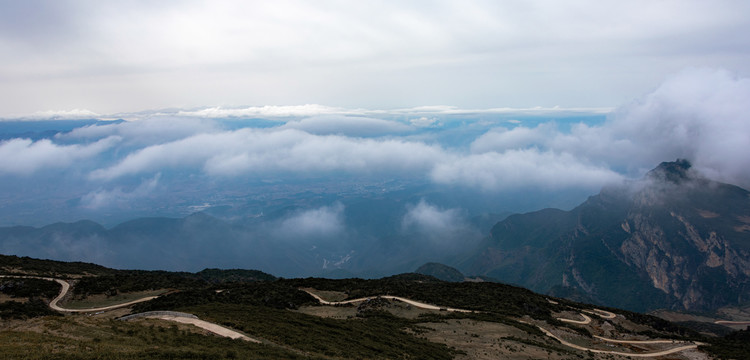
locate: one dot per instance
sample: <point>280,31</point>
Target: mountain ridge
<point>674,239</point>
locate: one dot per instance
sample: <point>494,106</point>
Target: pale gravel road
<point>586,320</point>
<point>222,331</point>
<point>212,327</point>
<point>601,313</point>
<point>64,291</point>
<point>408,301</point>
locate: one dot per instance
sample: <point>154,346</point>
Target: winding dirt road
<point>225,332</point>
<point>644,355</point>
<point>64,291</point>
<point>408,301</point>
<point>601,313</point>
<point>598,312</point>
<point>586,320</point>
<point>212,327</point>
<point>727,322</point>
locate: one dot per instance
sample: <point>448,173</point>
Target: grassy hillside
<point>291,324</point>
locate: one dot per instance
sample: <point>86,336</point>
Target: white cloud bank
<point>429,219</point>
<point>101,199</point>
<point>529,168</point>
<point>253,151</point>
<point>24,156</point>
<point>325,221</point>
<point>347,125</point>
<point>701,115</point>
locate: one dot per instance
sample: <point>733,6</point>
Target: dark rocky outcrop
<point>672,240</point>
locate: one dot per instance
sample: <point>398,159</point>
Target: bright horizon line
<point>306,110</point>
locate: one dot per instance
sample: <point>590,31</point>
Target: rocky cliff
<point>672,240</point>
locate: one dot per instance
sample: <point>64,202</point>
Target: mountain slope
<point>674,239</point>
<point>440,271</point>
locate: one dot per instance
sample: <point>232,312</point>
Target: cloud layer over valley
<point>381,181</point>
<point>700,115</point>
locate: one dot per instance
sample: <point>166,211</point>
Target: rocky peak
<point>671,171</point>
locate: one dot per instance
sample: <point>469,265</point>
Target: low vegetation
<point>262,307</point>
<point>497,298</point>
<point>375,335</point>
<point>29,288</point>
<point>733,346</point>
<point>25,310</point>
<point>79,338</point>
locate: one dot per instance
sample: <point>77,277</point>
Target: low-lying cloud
<point>528,168</point>
<point>269,152</point>
<point>325,221</point>
<point>701,115</point>
<point>23,156</point>
<point>347,125</point>
<point>118,197</point>
<point>427,218</point>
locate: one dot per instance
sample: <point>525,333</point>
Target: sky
<point>112,57</point>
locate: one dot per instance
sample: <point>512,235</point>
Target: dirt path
<point>727,322</point>
<point>586,320</point>
<point>408,301</point>
<point>64,291</point>
<point>601,313</point>
<point>644,355</point>
<point>222,331</point>
<point>66,287</point>
<point>639,341</point>
<point>211,327</point>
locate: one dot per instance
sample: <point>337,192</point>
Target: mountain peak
<point>440,271</point>
<point>671,171</point>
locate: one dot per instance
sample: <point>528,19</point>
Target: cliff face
<point>674,240</point>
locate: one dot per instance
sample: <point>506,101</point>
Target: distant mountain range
<point>672,240</point>
<point>368,239</point>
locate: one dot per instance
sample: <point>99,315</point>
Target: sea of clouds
<point>700,114</point>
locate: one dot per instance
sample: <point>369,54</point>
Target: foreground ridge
<point>601,313</point>
<point>163,315</point>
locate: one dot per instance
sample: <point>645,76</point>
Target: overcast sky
<point>115,56</point>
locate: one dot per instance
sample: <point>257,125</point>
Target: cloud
<point>147,131</point>
<point>139,55</point>
<point>527,168</point>
<point>701,114</point>
<point>64,114</point>
<point>500,139</point>
<point>24,156</point>
<point>427,218</point>
<point>436,230</point>
<point>325,221</point>
<point>118,197</point>
<point>264,152</point>
<point>347,125</point>
<point>698,114</point>
<point>267,111</point>
<point>424,122</point>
